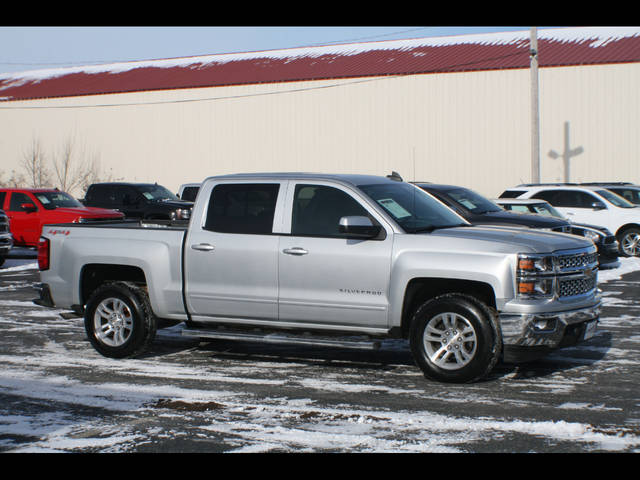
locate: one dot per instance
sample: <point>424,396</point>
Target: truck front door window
<point>317,210</point>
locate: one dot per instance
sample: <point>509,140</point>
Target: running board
<point>281,338</point>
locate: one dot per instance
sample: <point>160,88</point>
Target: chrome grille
<point>576,261</point>
<point>576,286</point>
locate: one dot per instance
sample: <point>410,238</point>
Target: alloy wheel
<point>450,341</point>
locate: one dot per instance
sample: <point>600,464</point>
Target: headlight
<point>536,287</point>
<point>535,277</point>
<point>592,235</point>
<point>533,264</point>
<point>181,214</point>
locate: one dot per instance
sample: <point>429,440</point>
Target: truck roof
<point>353,179</point>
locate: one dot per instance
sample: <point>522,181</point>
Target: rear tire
<point>119,321</point>
<point>455,338</point>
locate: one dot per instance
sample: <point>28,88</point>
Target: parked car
<point>188,192</point>
<point>591,205</point>
<point>605,241</point>
<point>138,200</point>
<point>6,242</point>
<point>29,209</point>
<point>628,191</point>
<point>479,210</point>
<point>319,259</point>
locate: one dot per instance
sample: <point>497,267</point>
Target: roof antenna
<point>395,176</point>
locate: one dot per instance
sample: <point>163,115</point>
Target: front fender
<point>495,270</point>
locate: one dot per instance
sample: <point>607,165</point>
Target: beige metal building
<point>447,110</point>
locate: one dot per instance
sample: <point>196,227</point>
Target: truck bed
<point>148,251</point>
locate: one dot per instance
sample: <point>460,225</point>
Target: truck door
<point>231,253</point>
<point>325,277</point>
<point>129,201</point>
<point>25,221</point>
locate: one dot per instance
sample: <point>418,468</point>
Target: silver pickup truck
<point>344,260</point>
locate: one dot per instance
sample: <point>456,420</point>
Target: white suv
<point>594,205</point>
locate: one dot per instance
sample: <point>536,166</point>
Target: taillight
<point>43,254</point>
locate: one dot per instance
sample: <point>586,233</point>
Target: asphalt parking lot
<point>58,395</point>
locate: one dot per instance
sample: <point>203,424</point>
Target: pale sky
<point>33,48</point>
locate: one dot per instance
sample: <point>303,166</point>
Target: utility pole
<point>535,115</point>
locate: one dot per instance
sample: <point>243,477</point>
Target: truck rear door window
<point>242,208</point>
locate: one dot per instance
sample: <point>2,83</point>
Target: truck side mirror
<point>358,226</point>
<point>28,207</point>
<point>598,206</point>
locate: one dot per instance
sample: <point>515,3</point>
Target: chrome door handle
<point>204,247</point>
<point>295,251</point>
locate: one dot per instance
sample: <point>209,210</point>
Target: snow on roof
<point>556,46</point>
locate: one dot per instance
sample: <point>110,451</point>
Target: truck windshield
<point>157,193</point>
<point>411,207</point>
<point>53,200</point>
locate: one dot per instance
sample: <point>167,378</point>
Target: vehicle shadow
<point>391,355</point>
<point>381,359</point>
<point>568,358</point>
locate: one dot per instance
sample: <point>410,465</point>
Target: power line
<point>372,37</point>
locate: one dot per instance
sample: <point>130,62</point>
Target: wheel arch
<point>420,290</point>
<point>93,275</point>
<point>626,226</point>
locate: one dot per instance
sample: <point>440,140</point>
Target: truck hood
<point>508,240</point>
<point>174,203</point>
<point>512,218</point>
<point>89,212</point>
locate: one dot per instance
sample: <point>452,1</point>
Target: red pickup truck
<point>29,209</point>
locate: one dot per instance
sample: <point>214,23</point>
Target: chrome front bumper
<point>552,329</point>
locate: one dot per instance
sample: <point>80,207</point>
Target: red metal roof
<point>508,50</point>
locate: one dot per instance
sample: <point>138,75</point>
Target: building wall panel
<point>467,128</point>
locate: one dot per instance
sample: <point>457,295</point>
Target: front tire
<point>119,321</point>
<point>455,338</point>
<point>629,241</point>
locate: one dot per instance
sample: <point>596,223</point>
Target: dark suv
<point>144,201</point>
<point>479,210</point>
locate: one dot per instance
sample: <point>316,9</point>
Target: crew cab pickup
<point>343,260</point>
<point>29,209</point>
